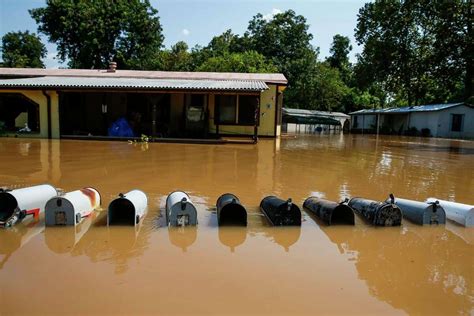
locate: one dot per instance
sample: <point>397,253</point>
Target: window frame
<point>236,122</point>
<point>461,125</point>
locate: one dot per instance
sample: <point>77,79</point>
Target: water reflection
<point>13,238</point>
<point>182,237</point>
<point>63,239</point>
<point>413,269</point>
<point>232,237</point>
<point>116,244</point>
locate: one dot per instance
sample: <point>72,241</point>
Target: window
<point>235,110</point>
<point>195,107</point>
<point>226,108</point>
<point>18,114</point>
<point>457,122</point>
<point>356,123</point>
<point>247,106</point>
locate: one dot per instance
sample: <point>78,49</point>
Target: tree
<point>89,34</point>
<point>339,58</point>
<point>421,51</point>
<point>451,23</point>
<point>176,59</point>
<point>22,49</point>
<point>284,40</point>
<point>321,88</point>
<point>249,61</point>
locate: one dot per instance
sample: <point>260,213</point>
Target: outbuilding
<point>88,103</point>
<point>450,120</point>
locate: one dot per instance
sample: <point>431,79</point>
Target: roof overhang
<point>269,78</point>
<point>72,83</point>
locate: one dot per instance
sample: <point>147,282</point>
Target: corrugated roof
<point>275,78</point>
<point>312,113</point>
<point>133,83</point>
<point>409,109</point>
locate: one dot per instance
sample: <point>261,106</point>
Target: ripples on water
<point>233,270</point>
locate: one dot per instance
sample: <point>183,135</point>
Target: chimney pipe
<point>112,66</point>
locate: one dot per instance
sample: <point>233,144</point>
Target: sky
<point>197,21</point>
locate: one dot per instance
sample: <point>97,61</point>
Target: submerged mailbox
<point>330,212</point>
<point>280,212</point>
<point>180,210</point>
<point>70,208</point>
<point>127,209</point>
<point>377,213</point>
<point>18,203</point>
<point>422,213</point>
<point>230,211</point>
<point>460,213</point>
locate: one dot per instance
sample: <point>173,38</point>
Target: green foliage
<point>339,58</point>
<point>176,59</point>
<point>414,51</point>
<point>284,40</point>
<point>89,34</point>
<point>249,61</point>
<point>419,51</point>
<point>321,88</point>
<point>23,50</point>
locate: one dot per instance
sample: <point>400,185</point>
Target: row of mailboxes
<point>129,208</point>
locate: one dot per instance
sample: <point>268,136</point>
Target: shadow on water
<point>413,268</point>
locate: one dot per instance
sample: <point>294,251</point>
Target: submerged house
<point>451,120</point>
<point>311,119</point>
<point>87,103</point>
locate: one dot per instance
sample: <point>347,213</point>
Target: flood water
<point>93,269</point>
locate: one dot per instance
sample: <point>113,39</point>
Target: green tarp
<point>312,120</point>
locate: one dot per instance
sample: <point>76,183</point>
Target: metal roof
<point>133,83</point>
<point>274,78</point>
<point>312,113</point>
<point>409,109</point>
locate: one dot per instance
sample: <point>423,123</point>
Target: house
<point>451,120</point>
<point>88,103</point>
<point>293,118</point>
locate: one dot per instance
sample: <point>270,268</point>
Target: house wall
<point>445,121</point>
<point>267,117</point>
<point>422,120</point>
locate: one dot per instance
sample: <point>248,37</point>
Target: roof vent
<point>112,66</point>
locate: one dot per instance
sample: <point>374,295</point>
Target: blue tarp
<point>120,128</point>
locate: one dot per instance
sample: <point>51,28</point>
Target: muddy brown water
<point>259,269</point>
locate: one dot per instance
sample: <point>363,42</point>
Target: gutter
<point>48,102</point>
